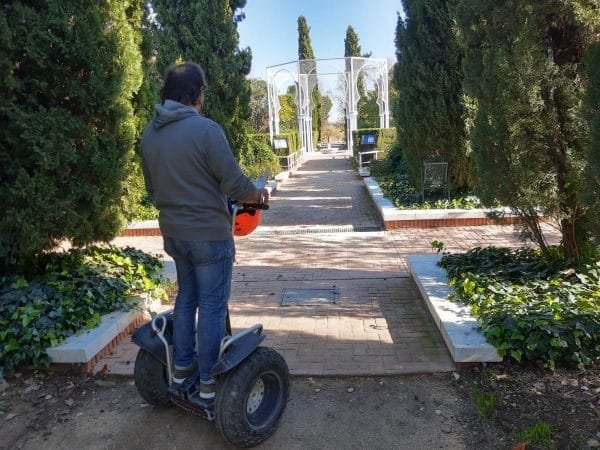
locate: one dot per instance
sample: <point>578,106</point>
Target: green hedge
<point>294,143</point>
<point>385,138</point>
<point>263,141</point>
<point>293,138</point>
<point>259,137</point>
<point>259,157</point>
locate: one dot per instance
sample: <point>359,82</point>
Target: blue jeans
<point>204,277</point>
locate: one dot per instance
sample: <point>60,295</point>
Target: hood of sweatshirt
<point>172,111</point>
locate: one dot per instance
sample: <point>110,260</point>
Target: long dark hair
<point>183,83</point>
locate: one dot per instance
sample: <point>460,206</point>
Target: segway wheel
<point>252,397</point>
<point>151,379</point>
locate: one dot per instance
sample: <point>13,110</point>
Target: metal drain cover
<point>309,297</point>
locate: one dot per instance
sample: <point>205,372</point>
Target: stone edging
<point>460,331</point>
<point>81,352</point>
<point>394,218</point>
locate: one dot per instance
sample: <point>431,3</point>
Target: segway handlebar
<point>263,206</point>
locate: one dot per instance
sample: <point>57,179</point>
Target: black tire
<point>252,397</point>
<point>151,379</point>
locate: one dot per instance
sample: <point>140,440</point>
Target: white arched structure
<point>304,74</point>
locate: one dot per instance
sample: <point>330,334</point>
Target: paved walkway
<point>322,232</point>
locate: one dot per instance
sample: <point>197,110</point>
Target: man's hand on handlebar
<point>263,197</point>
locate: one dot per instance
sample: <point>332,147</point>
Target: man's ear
<point>198,103</point>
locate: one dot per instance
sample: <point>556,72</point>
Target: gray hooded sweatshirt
<point>189,171</point>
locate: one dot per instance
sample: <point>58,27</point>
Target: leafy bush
<point>391,173</point>
<point>60,294</point>
<point>260,159</point>
<point>144,210</point>
<point>528,308</point>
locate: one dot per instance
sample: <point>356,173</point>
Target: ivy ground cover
<point>60,294</point>
<point>530,309</point>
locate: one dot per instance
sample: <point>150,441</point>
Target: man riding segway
<point>190,173</point>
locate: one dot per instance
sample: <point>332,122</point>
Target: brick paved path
<point>379,324</point>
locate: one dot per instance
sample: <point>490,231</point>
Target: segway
<point>252,381</point>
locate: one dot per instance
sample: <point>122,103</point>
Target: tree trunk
<point>569,240</point>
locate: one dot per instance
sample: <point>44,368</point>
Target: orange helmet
<point>246,221</point>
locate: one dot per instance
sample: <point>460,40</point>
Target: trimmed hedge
<point>259,157</point>
<point>385,138</point>
<point>294,142</point>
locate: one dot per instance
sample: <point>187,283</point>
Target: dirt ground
<point>424,411</point>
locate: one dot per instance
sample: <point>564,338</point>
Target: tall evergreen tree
<point>205,31</point>
<point>69,71</point>
<point>523,67</point>
<point>351,43</point>
<point>429,114</point>
<point>592,186</point>
<point>305,51</point>
<point>145,98</point>
<point>259,106</point>
<point>368,110</point>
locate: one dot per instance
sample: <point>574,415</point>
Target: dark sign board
<point>367,139</point>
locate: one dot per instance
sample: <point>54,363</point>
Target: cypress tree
<point>205,31</point>
<point>592,187</point>
<point>523,67</point>
<point>351,43</point>
<point>69,71</point>
<point>429,113</point>
<point>368,110</point>
<point>305,51</point>
<point>144,100</point>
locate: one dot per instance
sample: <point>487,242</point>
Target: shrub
<point>392,175</point>
<point>57,295</point>
<point>385,138</point>
<point>260,158</point>
<point>529,308</point>
<point>68,124</point>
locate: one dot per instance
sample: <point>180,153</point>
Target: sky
<point>270,29</point>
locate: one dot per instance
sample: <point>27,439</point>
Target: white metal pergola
<point>304,74</point>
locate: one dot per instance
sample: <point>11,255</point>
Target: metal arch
<point>382,83</point>
<point>306,82</point>
<point>273,98</point>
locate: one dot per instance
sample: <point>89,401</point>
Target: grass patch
<point>484,401</point>
<point>539,433</point>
